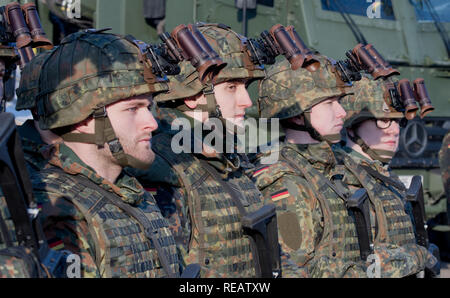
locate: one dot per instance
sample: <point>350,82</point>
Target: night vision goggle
<point>403,97</point>
<point>20,24</point>
<point>184,43</point>
<point>364,58</point>
<point>282,41</point>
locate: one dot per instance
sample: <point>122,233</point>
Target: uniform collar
<point>319,155</point>
<point>127,187</point>
<point>224,162</point>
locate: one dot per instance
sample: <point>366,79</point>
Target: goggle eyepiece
<point>421,94</point>
<point>408,98</point>
<point>192,50</point>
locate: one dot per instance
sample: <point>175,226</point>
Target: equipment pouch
<point>261,226</point>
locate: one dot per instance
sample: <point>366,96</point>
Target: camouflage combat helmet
<point>29,82</point>
<point>370,100</point>
<point>88,71</point>
<point>230,47</point>
<point>286,93</point>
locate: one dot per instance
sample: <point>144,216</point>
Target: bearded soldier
<point>373,128</point>
<point>205,194</point>
<point>94,95</point>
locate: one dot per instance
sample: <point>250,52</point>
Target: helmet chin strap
<point>104,133</point>
<point>213,110</point>
<point>211,106</point>
<point>330,139</point>
<point>375,154</point>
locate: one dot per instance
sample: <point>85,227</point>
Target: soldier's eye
<point>232,87</point>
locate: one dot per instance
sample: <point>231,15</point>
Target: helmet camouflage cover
<point>230,47</point>
<point>29,82</point>
<point>286,93</point>
<point>368,101</point>
<point>88,71</point>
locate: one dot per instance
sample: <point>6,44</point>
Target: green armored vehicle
<point>410,34</point>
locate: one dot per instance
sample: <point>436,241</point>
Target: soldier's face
<point>377,138</point>
<point>233,99</point>
<point>133,124</point>
<point>327,117</point>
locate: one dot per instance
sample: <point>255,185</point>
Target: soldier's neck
<point>97,159</point>
<point>299,137</point>
<point>357,148</point>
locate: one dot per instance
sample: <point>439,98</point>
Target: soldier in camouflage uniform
<point>317,232</point>
<point>317,235</point>
<point>33,138</point>
<point>92,91</point>
<point>373,128</point>
<point>15,260</point>
<point>205,195</point>
<point>444,162</point>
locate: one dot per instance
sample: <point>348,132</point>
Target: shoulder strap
<point>160,142</point>
<point>308,171</point>
<point>383,178</point>
<point>231,191</point>
<point>4,235</point>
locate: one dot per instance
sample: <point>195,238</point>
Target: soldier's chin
<point>146,161</point>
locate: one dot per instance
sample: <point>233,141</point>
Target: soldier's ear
<point>193,101</point>
<point>350,132</point>
<point>299,120</point>
<point>85,126</point>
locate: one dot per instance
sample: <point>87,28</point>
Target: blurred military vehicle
<point>410,34</point>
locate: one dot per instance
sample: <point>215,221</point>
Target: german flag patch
<point>56,244</point>
<point>152,190</point>
<point>259,171</point>
<point>279,195</point>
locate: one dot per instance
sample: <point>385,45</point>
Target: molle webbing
<point>340,238</point>
<point>143,247</point>
<point>5,239</point>
<point>393,224</point>
<point>214,213</point>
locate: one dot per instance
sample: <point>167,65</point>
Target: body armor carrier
<point>136,240</point>
<point>220,240</point>
<point>339,239</point>
<point>393,225</point>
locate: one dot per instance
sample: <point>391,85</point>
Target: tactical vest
<point>339,239</point>
<point>128,249</point>
<point>218,241</point>
<point>393,224</point>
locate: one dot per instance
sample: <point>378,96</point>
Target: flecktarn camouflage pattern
<point>29,82</point>
<point>316,232</point>
<point>391,226</point>
<point>368,101</point>
<point>444,163</point>
<point>203,215</point>
<point>80,213</point>
<point>89,71</point>
<point>286,93</point>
